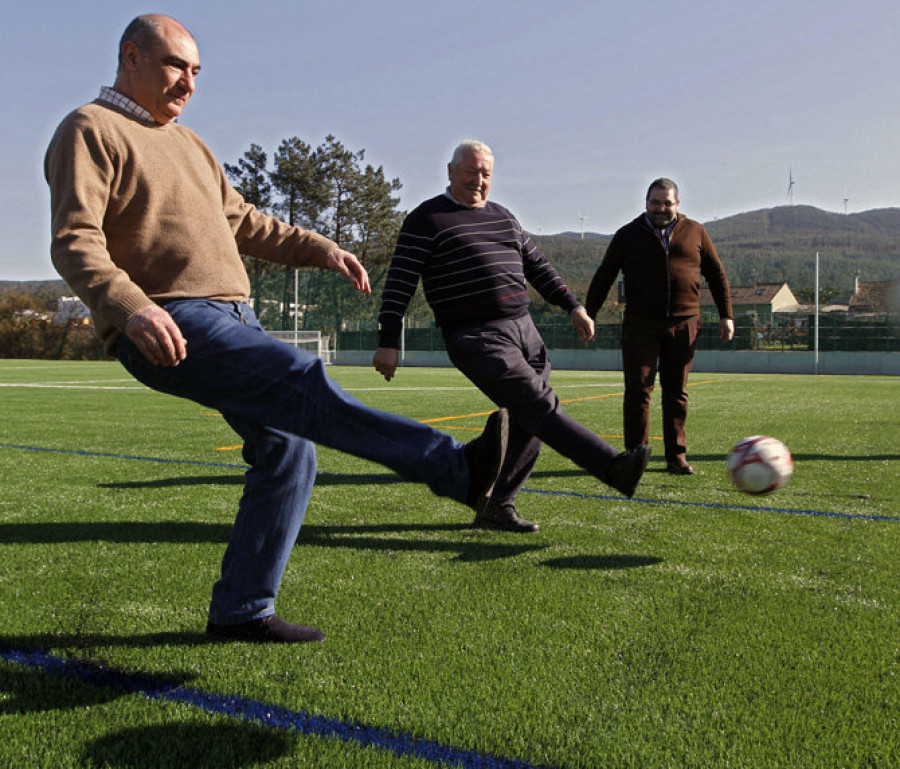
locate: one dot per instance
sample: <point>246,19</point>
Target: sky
<point>583,103</point>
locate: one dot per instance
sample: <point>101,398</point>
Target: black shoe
<point>504,517</point>
<point>626,470</point>
<point>485,456</point>
<point>679,466</point>
<point>271,629</point>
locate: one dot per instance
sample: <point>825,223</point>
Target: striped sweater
<point>473,263</point>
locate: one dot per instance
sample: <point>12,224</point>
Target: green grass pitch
<point>693,626</point>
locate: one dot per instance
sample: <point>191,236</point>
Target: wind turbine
<point>581,218</point>
<point>790,190</point>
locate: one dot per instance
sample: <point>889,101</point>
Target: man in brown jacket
<point>662,256</point>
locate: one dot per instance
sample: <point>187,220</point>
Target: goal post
<point>314,341</point>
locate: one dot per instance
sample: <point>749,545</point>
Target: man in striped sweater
<point>474,260</point>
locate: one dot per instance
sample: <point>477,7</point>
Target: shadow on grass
<point>31,691</point>
<point>196,743</point>
<point>418,537</point>
<point>322,479</point>
<point>184,481</point>
<point>184,532</point>
<point>467,551</point>
<point>573,472</point>
<point>83,645</point>
<point>602,562</point>
<point>200,745</point>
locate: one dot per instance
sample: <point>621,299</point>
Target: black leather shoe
<point>679,467</point>
<point>626,470</point>
<point>504,517</point>
<point>271,629</point>
<point>485,457</point>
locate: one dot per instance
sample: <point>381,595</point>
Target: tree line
<point>36,324</point>
<point>331,190</point>
<point>771,246</point>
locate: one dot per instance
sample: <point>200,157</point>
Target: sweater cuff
<point>126,307</point>
<point>317,249</point>
<point>570,304</point>
<point>389,333</point>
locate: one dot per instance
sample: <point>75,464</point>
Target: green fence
<point>790,333</point>
<point>875,334</point>
<point>324,301</point>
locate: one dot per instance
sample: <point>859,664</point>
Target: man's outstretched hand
<point>350,267</point>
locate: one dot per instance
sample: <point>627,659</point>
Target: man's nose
<point>188,80</point>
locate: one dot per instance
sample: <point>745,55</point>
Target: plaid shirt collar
<point>111,96</point>
<point>663,233</point>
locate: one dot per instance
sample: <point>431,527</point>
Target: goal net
<point>314,341</point>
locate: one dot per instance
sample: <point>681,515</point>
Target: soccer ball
<point>760,464</point>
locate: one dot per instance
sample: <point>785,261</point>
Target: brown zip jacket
<point>661,283</point>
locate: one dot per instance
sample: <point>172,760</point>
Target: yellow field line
<point>437,420</point>
<point>590,398</point>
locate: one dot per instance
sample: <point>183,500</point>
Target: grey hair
<point>662,184</point>
<point>469,145</point>
<point>143,31</point>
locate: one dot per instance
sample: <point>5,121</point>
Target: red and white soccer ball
<point>760,464</point>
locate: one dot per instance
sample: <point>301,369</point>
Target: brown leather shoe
<point>271,629</point>
<point>679,466</point>
<point>504,517</point>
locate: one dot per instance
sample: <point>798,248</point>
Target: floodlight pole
<point>296,305</point>
<point>816,336</point>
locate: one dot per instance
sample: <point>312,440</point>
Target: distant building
<point>25,317</point>
<point>875,296</point>
<point>70,310</point>
<point>760,301</point>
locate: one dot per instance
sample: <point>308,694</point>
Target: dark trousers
<point>667,346</point>
<point>507,361</point>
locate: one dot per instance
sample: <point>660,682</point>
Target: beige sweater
<point>144,213</point>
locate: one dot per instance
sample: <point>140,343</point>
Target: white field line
<point>35,368</point>
<point>469,387</point>
<point>130,384</point>
<point>74,386</point>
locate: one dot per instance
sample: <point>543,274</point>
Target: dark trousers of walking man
<point>651,345</point>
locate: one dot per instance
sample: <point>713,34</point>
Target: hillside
<point>769,246</point>
<point>34,287</point>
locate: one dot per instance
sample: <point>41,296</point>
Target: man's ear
<point>131,54</point>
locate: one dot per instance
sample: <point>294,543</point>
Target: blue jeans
<point>281,402</point>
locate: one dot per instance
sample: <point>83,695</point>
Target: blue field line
<point>260,713</point>
<point>708,505</point>
<point>104,455</point>
<point>719,506</point>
